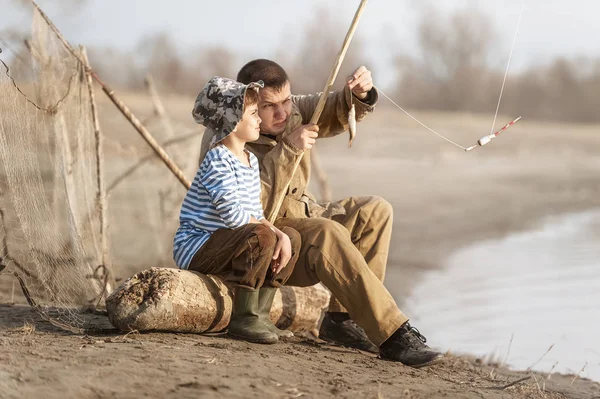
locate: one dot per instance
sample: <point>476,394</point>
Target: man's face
<point>274,108</point>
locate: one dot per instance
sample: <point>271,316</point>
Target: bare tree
<point>451,69</point>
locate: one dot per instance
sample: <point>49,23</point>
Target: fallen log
<point>162,299</point>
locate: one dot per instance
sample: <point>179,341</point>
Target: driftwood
<point>161,299</point>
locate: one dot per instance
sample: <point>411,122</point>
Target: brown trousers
<point>244,255</point>
<point>348,254</point>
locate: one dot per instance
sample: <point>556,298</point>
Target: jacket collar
<point>263,139</point>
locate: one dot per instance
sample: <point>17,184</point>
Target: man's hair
<point>250,98</point>
<point>270,72</point>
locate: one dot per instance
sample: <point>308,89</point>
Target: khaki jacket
<point>278,157</point>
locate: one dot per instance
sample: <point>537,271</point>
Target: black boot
<point>339,328</point>
<point>245,323</point>
<point>265,301</point>
<point>407,346</point>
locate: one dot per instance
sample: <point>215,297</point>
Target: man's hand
<point>304,137</point>
<point>360,82</point>
<point>283,252</point>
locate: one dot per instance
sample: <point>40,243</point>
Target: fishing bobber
<point>481,142</point>
<point>485,139</point>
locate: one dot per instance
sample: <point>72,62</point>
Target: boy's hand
<point>304,137</point>
<point>361,82</point>
<point>283,252</point>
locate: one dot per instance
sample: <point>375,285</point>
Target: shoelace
<point>413,331</point>
<point>357,328</point>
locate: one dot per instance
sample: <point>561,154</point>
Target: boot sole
<point>265,341</point>
<point>435,360</point>
<point>285,335</point>
<point>337,343</point>
<point>280,333</point>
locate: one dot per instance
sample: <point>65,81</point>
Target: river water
<point>512,299</point>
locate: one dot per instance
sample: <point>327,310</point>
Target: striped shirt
<point>224,195</point>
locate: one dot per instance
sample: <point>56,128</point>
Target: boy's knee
<point>266,237</point>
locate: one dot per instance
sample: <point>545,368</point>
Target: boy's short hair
<point>250,98</point>
<point>270,72</point>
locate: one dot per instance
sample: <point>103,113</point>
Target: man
<point>344,245</point>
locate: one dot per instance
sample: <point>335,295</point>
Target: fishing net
<point>53,219</point>
<point>52,223</point>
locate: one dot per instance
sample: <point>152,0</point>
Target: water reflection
<point>542,286</point>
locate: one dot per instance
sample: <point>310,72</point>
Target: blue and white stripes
<point>225,194</point>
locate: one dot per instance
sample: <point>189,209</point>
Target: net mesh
<point>51,230</point>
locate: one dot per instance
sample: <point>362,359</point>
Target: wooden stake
<point>321,104</point>
<point>159,108</point>
<point>101,189</point>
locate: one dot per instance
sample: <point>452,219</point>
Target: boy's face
<point>248,129</point>
<point>274,108</point>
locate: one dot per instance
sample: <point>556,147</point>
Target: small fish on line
<point>351,125</point>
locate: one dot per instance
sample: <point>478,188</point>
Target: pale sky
<point>257,28</point>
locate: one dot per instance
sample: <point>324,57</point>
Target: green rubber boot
<point>265,301</point>
<point>245,322</point>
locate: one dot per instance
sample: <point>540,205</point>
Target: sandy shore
<point>443,200</point>
<point>42,360</point>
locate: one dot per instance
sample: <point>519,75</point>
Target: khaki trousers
<point>348,254</point>
<point>243,256</point>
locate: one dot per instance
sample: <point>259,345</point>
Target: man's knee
<point>295,238</point>
<point>326,230</point>
<point>382,207</point>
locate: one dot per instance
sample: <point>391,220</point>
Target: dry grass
<point>541,358</point>
<point>578,374</point>
<point>28,328</point>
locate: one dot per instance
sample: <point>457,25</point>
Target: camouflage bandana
<point>220,106</point>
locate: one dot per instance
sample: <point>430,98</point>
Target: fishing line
<point>486,139</point>
<point>418,121</point>
<point>508,64</point>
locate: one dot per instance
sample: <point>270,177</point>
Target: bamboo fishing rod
<point>127,113</point>
<point>321,104</point>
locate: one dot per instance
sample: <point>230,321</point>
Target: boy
<point>222,228</point>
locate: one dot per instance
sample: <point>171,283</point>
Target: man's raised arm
<point>358,90</point>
